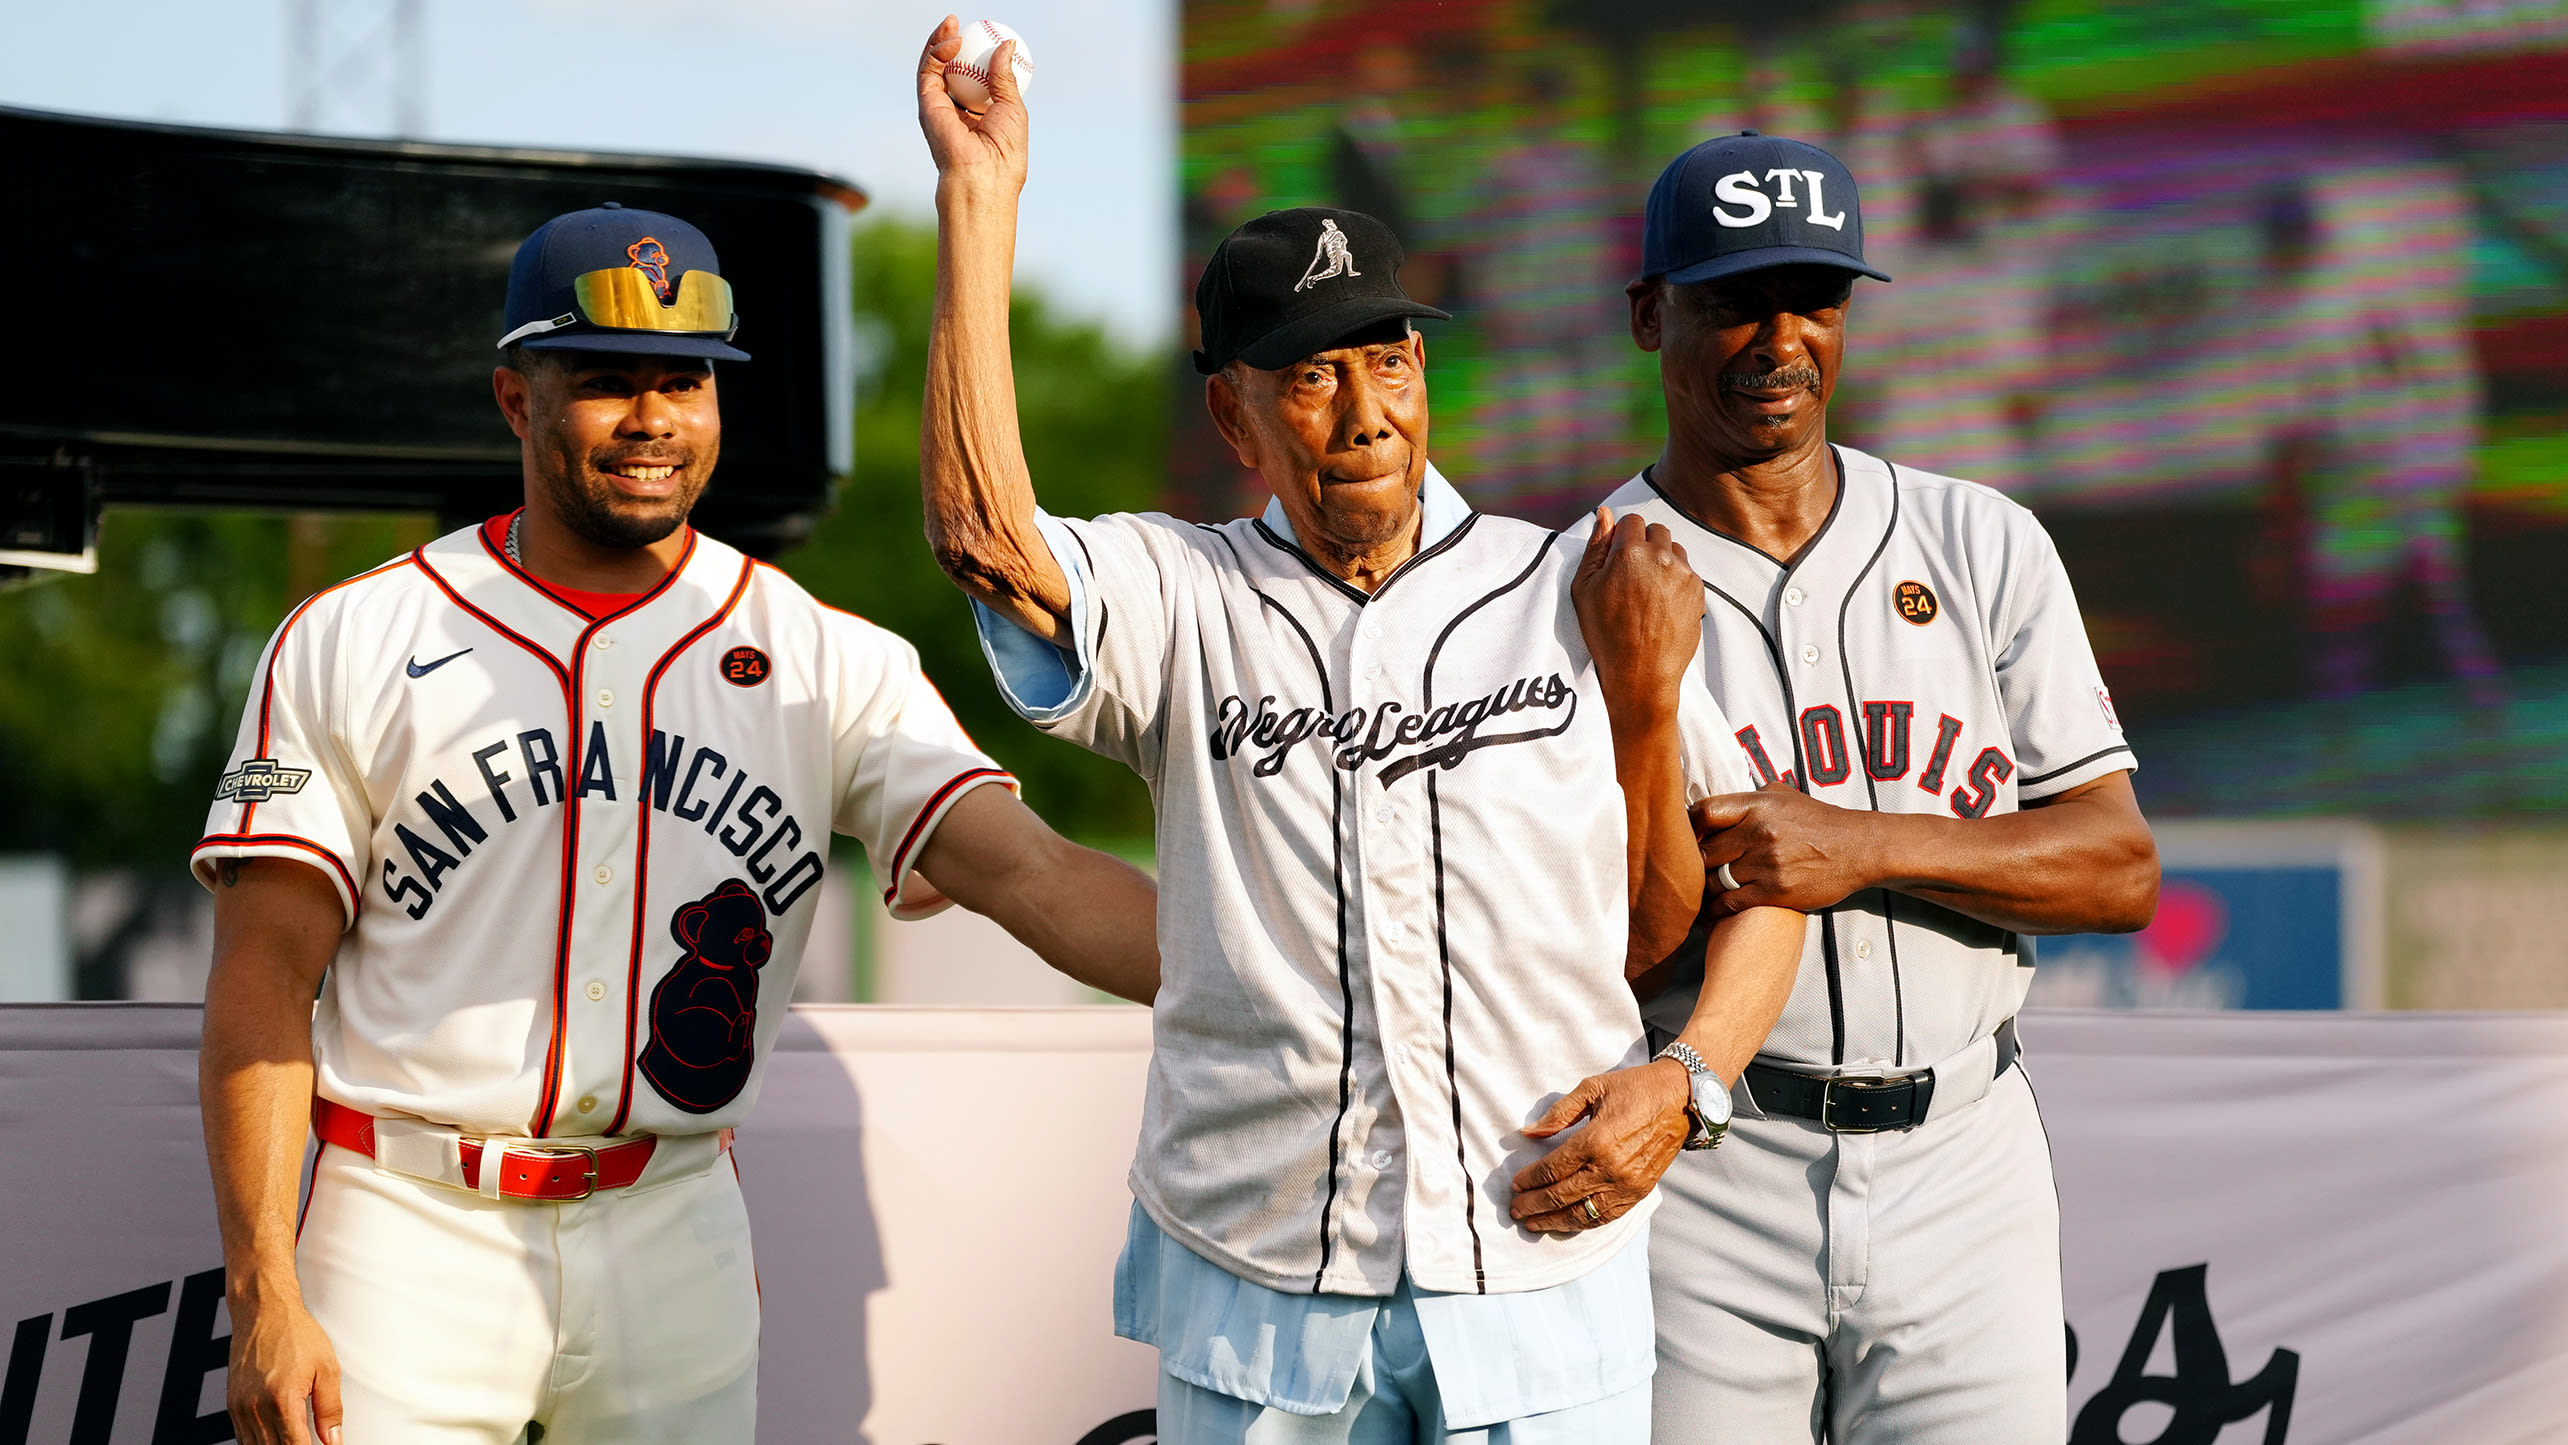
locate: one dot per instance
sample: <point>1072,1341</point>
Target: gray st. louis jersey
<point>1923,655</point>
<point>1392,910</point>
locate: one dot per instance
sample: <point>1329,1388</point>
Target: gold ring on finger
<point>1588,1208</point>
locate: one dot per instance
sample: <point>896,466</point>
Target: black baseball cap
<point>1292,282</point>
<point>1745,202</point>
<point>620,280</point>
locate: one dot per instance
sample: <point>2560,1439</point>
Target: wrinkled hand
<point>1785,848</point>
<point>1636,1123</point>
<point>285,1377</point>
<point>984,149</point>
<point>1639,605</point>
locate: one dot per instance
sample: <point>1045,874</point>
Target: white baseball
<point>967,75</point>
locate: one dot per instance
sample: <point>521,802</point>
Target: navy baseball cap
<point>1294,282</point>
<point>619,280</point>
<point>1745,202</point>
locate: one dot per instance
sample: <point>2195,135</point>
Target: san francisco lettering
<point>522,774</point>
<point>1438,739</point>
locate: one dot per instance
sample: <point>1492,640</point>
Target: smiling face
<point>617,447</point>
<point>1341,438</point>
<point>1747,363</point>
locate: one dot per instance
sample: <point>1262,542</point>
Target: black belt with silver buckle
<point>1858,1104</point>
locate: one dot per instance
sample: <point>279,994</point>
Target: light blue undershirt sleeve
<point>1042,682</point>
<point>1496,1356</point>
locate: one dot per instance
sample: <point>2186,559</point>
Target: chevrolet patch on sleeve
<point>258,780</point>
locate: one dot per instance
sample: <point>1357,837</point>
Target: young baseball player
<point>540,810</point>
<point>1875,1255</point>
<point>1419,795</point>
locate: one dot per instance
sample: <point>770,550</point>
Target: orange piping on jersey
<point>267,682</point>
<point>642,845</point>
<point>953,785</point>
<point>356,895</point>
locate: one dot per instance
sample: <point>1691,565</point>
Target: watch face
<point>1711,1100</point>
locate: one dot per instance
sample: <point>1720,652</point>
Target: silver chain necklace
<point>513,524</point>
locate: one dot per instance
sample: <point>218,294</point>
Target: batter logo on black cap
<point>1915,601</point>
<point>1333,252</point>
<point>652,260</point>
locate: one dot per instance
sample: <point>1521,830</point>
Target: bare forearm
<point>977,495</point>
<point>255,1088</point>
<point>1664,865</point>
<point>1092,916</point>
<point>2082,864</point>
<point>1748,970</point>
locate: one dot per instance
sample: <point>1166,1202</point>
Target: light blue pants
<point>1394,1402</point>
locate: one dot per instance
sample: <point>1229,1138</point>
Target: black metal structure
<point>229,318</point>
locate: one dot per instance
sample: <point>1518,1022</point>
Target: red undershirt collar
<point>592,605</point>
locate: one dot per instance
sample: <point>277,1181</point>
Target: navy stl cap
<point>619,280</point>
<point>1745,202</point>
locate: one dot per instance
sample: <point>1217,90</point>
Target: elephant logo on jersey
<point>704,1014</point>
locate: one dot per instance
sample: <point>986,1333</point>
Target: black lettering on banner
<point>492,779</point>
<point>1757,759</point>
<point>195,1351</point>
<point>452,818</point>
<point>749,819</point>
<point>597,770</point>
<point>26,1368</point>
<point>433,862</point>
<point>539,766</point>
<point>1886,739</point>
<point>1947,732</point>
<point>395,888</point>
<point>660,766</point>
<point>1979,786</point>
<point>2200,1394</point>
<point>109,1324</point>
<point>1823,743</point>
<point>686,789</point>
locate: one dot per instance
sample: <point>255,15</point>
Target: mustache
<point>1802,375</point>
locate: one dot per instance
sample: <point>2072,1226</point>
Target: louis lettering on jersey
<point>1942,777</point>
<point>540,813</point>
<point>1419,799</point>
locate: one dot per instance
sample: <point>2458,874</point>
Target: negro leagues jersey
<point>1924,654</point>
<point>579,859</point>
<point>1392,902</point>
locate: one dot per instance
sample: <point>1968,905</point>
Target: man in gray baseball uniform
<point>1874,1256</point>
<point>1420,800</point>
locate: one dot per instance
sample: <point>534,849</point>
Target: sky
<point>827,84</point>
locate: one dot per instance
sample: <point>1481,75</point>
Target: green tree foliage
<point>1095,422</point>
<point>120,693</point>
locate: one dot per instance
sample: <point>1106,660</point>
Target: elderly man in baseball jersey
<point>1419,794</point>
<point>540,811</point>
<point>1875,1255</point>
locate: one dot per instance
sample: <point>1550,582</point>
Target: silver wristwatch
<point>1709,1107</point>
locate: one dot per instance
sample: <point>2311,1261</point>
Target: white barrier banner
<point>2291,1229</point>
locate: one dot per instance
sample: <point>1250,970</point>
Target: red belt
<point>551,1171</point>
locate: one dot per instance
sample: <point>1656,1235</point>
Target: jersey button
<point>605,697</point>
<point>595,990</point>
<point>1792,595</point>
<point>1381,1159</point>
<point>1382,814</point>
<point>604,643</point>
<point>1810,654</point>
<point>1395,930</point>
<point>605,874</point>
<point>1373,630</point>
<point>1373,669</point>
<point>1863,948</point>
<point>588,1103</point>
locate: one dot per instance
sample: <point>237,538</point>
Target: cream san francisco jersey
<point>579,858</point>
<point>1923,654</point>
<point>1392,886</point>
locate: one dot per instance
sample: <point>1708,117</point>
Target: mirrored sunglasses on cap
<point>623,299</point>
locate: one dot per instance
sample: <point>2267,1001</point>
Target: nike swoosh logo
<point>418,670</point>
